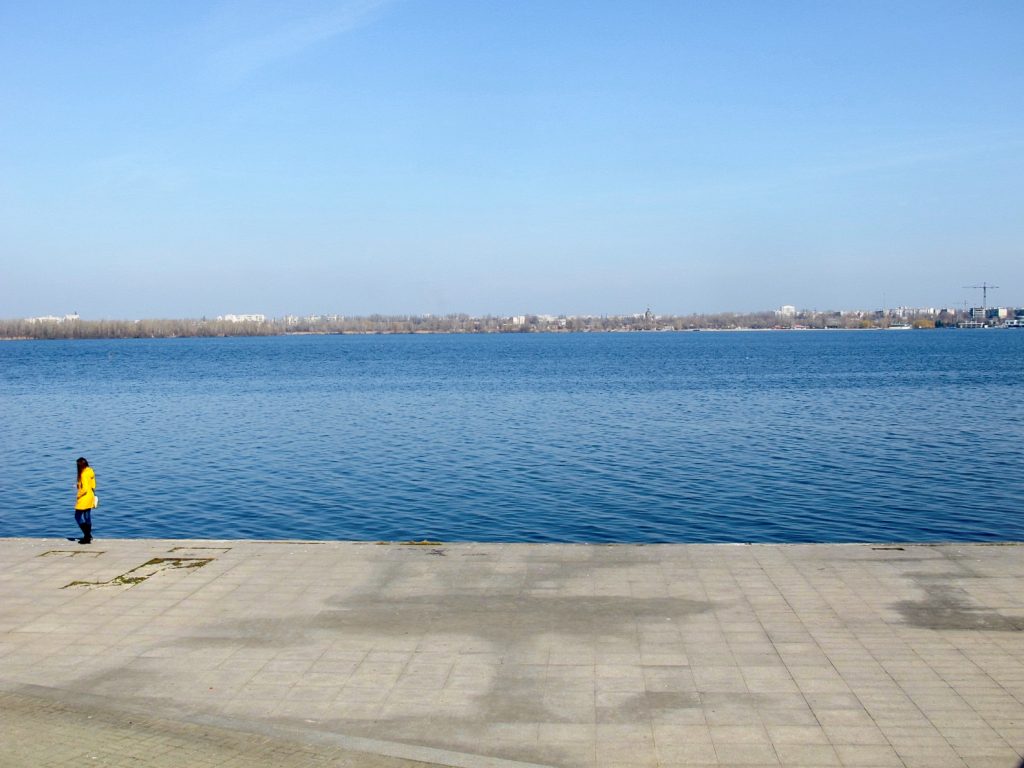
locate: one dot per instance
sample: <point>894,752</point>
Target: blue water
<point>681,437</point>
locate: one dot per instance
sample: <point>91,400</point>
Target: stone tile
<point>746,754</point>
<point>810,755</point>
<point>986,761</point>
<point>566,732</point>
<point>738,734</point>
<point>855,734</point>
<point>788,716</point>
<point>678,717</point>
<point>719,679</point>
<point>930,757</point>
<point>969,738</point>
<point>798,734</point>
<point>668,679</point>
<point>867,756</point>
<point>820,700</point>
<point>852,717</point>
<point>664,659</point>
<point>695,753</point>
<point>570,707</point>
<point>732,714</point>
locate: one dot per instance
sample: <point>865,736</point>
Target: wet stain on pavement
<point>638,707</point>
<point>499,620</point>
<point>947,607</point>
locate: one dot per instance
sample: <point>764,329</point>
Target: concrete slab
<point>317,653</point>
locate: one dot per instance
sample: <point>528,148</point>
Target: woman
<point>86,500</point>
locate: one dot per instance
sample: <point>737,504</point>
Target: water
<point>681,437</point>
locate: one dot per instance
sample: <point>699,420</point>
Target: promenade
<point>251,653</point>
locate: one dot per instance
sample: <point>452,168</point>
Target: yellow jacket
<point>86,489</point>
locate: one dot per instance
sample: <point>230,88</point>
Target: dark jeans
<point>83,516</point>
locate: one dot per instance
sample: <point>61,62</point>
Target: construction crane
<point>985,288</point>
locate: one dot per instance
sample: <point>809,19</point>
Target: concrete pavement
<point>338,653</point>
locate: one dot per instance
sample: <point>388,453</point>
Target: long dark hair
<point>82,464</point>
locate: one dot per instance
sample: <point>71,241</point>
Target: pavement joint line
<point>379,747</point>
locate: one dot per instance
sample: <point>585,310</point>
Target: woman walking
<point>86,500</point>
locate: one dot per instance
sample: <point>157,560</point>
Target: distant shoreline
<point>444,333</point>
<point>788,318</point>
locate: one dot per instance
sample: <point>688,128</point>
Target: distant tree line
<point>456,323</point>
<point>130,329</point>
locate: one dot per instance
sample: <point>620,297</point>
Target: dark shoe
<point>85,541</point>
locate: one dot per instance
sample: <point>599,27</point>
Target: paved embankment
<point>196,653</point>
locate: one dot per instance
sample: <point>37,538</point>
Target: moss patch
<point>140,573</point>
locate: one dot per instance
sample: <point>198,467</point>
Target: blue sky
<point>188,158</point>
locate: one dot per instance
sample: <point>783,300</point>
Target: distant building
<point>54,319</point>
<point>242,318</point>
<point>907,312</point>
<point>518,319</point>
<point>786,310</point>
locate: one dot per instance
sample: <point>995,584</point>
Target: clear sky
<point>487,156</point>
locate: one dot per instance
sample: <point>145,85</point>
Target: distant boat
<point>1017,322</point>
<point>903,327</point>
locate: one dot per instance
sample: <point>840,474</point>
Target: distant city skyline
<point>383,156</point>
<point>785,318</point>
<point>980,300</point>
<point>783,310</point>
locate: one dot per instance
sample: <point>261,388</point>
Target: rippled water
<point>817,436</point>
